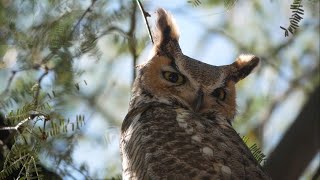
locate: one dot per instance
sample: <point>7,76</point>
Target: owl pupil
<point>173,77</point>
<point>219,93</point>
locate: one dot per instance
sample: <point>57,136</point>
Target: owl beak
<point>198,101</point>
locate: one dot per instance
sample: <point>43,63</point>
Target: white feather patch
<point>244,58</point>
<point>207,151</point>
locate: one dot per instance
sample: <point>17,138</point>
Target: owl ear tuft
<point>243,66</point>
<point>166,28</point>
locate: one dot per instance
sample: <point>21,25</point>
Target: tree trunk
<point>299,145</point>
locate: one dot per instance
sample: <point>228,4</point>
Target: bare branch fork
<point>32,115</point>
<point>13,74</point>
<point>16,127</point>
<point>145,14</point>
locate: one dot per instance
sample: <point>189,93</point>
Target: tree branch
<point>13,73</point>
<point>145,14</point>
<point>132,40</point>
<point>83,15</point>
<point>37,91</point>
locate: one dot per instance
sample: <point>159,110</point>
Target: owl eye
<point>219,93</point>
<point>173,77</point>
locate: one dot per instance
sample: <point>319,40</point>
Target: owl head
<point>175,79</point>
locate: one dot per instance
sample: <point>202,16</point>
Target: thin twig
<point>145,14</point>
<point>113,29</point>
<point>47,58</point>
<point>43,75</point>
<point>132,42</point>
<point>36,97</point>
<point>83,15</point>
<point>13,73</point>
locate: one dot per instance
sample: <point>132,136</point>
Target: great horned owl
<point>179,121</point>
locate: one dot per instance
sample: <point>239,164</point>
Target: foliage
<point>44,79</point>
<point>255,150</point>
<point>29,140</point>
<point>24,159</point>
<point>195,2</point>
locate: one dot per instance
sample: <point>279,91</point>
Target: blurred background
<point>66,68</point>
